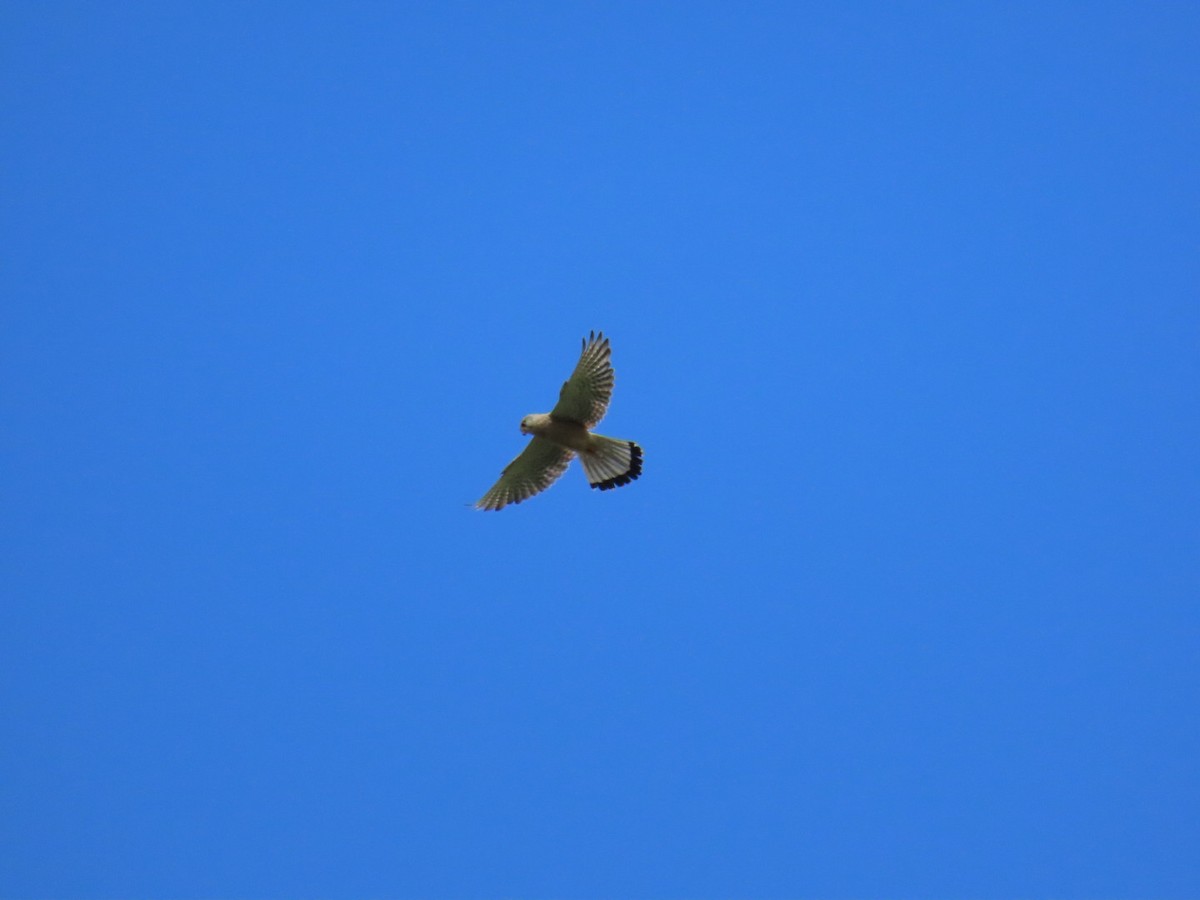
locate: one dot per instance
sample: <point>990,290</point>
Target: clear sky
<point>905,308</point>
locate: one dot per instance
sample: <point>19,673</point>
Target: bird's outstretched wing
<point>535,469</point>
<point>585,395</point>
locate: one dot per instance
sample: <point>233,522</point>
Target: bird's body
<point>565,431</point>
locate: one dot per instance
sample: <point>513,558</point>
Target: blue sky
<point>903,301</point>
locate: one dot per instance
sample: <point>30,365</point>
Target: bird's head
<point>525,426</point>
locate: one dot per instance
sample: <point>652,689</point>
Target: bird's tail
<point>610,463</point>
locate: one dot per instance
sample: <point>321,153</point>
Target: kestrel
<point>566,430</point>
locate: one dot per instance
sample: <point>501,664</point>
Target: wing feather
<point>586,394</point>
<point>536,468</point>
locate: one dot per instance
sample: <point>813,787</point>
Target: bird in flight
<point>566,431</point>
